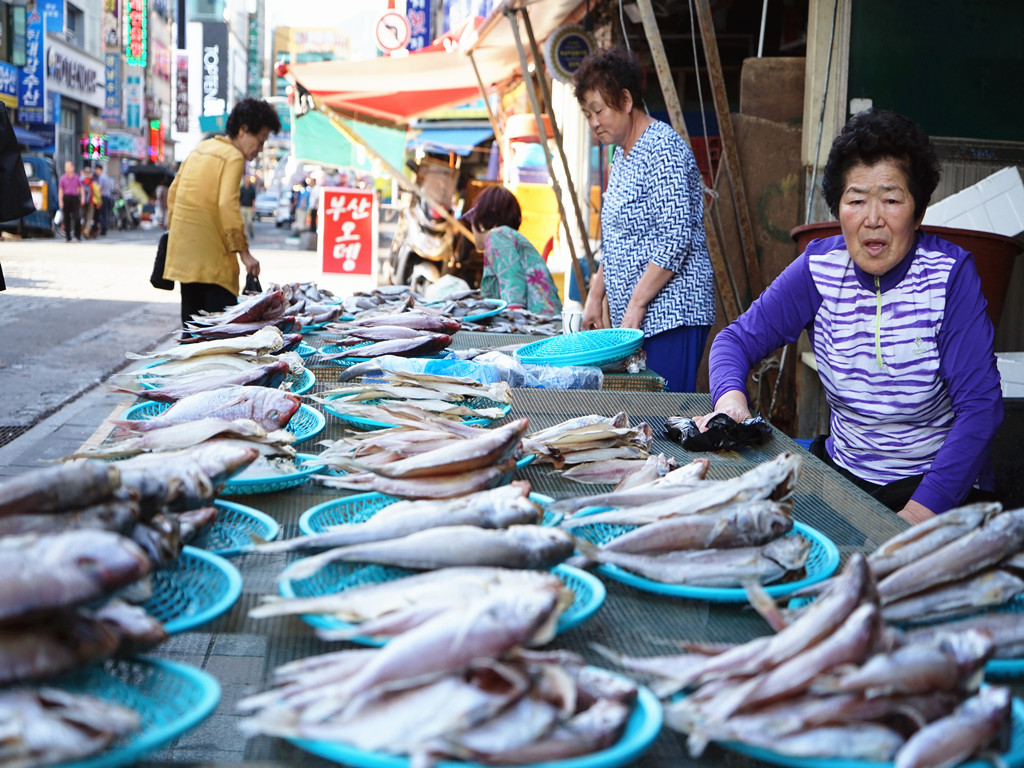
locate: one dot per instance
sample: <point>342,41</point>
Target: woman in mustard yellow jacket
<point>204,222</point>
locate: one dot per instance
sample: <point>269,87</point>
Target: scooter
<point>423,246</point>
<point>126,212</point>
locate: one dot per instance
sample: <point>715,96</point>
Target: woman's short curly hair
<point>255,115</point>
<point>495,207</point>
<point>879,134</point>
<point>610,72</point>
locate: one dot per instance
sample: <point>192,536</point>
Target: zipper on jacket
<point>878,322</point>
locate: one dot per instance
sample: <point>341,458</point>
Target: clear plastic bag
<point>541,376</point>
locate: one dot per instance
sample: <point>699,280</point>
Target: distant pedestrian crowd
<point>86,199</point>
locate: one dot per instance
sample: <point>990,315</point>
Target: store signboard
<point>53,15</point>
<point>75,74</point>
<point>347,232</point>
<point>418,13</point>
<point>136,32</point>
<point>181,93</point>
<point>215,68</point>
<point>112,91</point>
<point>133,101</point>
<point>9,76</point>
<point>32,93</point>
<point>255,73</point>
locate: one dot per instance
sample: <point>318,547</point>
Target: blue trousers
<point>676,355</point>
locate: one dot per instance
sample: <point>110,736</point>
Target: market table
<point>642,381</point>
<point>242,652</point>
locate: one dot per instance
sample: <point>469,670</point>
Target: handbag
<point>157,279</point>
<point>252,284</point>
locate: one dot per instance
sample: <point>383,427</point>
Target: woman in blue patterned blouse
<point>655,268</point>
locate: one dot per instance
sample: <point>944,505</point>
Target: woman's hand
<point>733,404</point>
<point>633,317</point>
<point>252,266</point>
<point>914,512</point>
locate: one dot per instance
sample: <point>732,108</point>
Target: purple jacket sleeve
<point>777,317</point>
<point>968,368</point>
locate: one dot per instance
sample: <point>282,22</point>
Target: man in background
<point>246,201</point>
<point>106,185</point>
<point>71,200</point>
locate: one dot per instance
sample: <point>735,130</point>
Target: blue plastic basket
<point>497,306</point>
<point>641,730</point>
<point>301,382</point>
<point>333,578</point>
<point>231,533</point>
<point>368,424</point>
<point>306,422</point>
<point>194,589</point>
<point>305,350</point>
<point>599,347</point>
<point>821,563</point>
<point>170,698</point>
<point>306,465</point>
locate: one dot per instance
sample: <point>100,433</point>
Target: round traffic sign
<point>393,31</point>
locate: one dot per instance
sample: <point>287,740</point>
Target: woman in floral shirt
<point>513,269</point>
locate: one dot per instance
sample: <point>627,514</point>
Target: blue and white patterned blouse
<point>653,211</point>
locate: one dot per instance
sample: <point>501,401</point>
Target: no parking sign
<point>348,231</point>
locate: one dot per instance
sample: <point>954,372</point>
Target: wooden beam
<point>730,151</point>
<point>675,112</point>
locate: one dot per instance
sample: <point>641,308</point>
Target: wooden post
<point>513,17</point>
<point>730,151</point>
<point>557,135</point>
<point>675,112</point>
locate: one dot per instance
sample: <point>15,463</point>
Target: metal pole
<point>513,17</point>
<point>760,37</point>
<point>723,277</point>
<point>483,95</point>
<point>545,93</point>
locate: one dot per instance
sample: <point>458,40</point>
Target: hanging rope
<point>700,99</point>
<point>821,116</point>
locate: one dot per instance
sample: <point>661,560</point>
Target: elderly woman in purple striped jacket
<point>897,321</point>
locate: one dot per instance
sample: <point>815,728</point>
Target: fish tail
<point>587,549</point>
<point>763,603</point>
<point>697,742</point>
<point>608,653</point>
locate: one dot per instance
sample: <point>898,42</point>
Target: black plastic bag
<point>252,284</point>
<point>723,434</point>
<point>157,279</point>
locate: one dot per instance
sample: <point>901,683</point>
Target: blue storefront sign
<point>112,93</point>
<point>418,13</point>
<point>454,12</point>
<point>9,84</point>
<point>32,93</point>
<point>53,15</point>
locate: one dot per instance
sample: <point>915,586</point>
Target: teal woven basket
<point>600,347</point>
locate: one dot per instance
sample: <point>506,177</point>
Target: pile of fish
<point>450,396</point>
<point>587,439</point>
<point>496,528</point>
<point>836,683</point>
<point>386,609</point>
<point>303,303</point>
<point>701,533</point>
<point>622,473</point>
<point>516,320</point>
<point>47,726</point>
<point>424,456</point>
<point>383,300</point>
<point>407,334</point>
<point>76,536</point>
<point>457,686</point>
<point>959,563</point>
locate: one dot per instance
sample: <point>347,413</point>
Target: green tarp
<point>315,140</point>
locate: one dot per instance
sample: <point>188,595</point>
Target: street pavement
<point>70,313</point>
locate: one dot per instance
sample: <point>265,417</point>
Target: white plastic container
<point>1011,371</point>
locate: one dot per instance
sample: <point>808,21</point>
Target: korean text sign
<point>348,231</point>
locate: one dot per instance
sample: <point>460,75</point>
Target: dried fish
<point>267,339</point>
<point>74,484</point>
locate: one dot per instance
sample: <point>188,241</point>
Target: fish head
<point>546,547</point>
<point>969,649</point>
<point>772,518</point>
<point>276,407</point>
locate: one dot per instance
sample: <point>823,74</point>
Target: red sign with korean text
<point>348,231</point>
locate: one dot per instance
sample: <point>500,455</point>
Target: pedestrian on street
<point>246,201</point>
<point>106,185</point>
<point>204,219</point>
<point>88,205</point>
<point>71,200</point>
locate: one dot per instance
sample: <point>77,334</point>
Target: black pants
<point>894,495</point>
<point>204,296</point>
<point>72,216</point>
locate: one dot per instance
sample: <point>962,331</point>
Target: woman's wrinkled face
<point>251,144</point>
<point>876,213</point>
<point>609,125</point>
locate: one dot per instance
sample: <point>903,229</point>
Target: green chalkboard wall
<point>954,66</point>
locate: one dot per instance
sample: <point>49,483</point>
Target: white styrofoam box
<point>994,204</point>
<point>1011,371</point>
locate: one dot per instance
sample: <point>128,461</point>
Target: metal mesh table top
<point>243,652</point>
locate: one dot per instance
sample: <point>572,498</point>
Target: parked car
<point>265,206</point>
<point>283,217</point>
